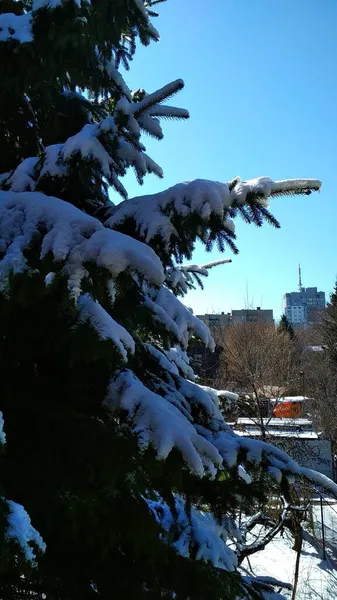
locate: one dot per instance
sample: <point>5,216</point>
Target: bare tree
<point>321,386</point>
<point>260,361</point>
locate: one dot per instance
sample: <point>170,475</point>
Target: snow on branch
<point>174,412</point>
<point>159,423</point>
<point>16,27</point>
<point>182,278</point>
<point>229,444</point>
<point>23,177</point>
<point>198,531</point>
<point>109,147</point>
<point>164,215</point>
<point>150,101</point>
<point>162,359</point>
<point>181,360</point>
<point>263,587</point>
<point>21,531</point>
<point>226,398</point>
<point>182,415</point>
<point>152,214</point>
<point>153,33</point>
<point>191,531</point>
<point>106,327</point>
<point>206,267</point>
<point>72,237</point>
<point>19,27</point>
<point>177,319</point>
<point>294,187</point>
<point>109,67</point>
<point>174,360</point>
<point>2,432</point>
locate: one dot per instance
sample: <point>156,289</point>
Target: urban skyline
<point>225,302</point>
<point>300,307</point>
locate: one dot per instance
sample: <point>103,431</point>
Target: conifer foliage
<point>329,331</point>
<point>286,327</point>
<point>119,475</point>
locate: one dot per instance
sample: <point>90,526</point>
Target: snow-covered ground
<point>330,525</point>
<point>317,577</point>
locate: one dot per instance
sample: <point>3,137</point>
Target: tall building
<point>304,307</point>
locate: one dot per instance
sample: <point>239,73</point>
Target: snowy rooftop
<point>315,348</point>
<point>284,433</point>
<point>279,423</point>
<point>289,399</point>
<point>298,428</point>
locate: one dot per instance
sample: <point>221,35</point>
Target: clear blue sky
<point>261,87</point>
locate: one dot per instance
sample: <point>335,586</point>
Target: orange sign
<point>288,410</point>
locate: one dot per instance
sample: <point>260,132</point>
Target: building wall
<point>212,320</point>
<point>304,307</point>
<point>257,315</point>
<point>244,315</point>
<point>313,454</point>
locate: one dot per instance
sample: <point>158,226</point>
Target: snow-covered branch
<point>71,237</point>
<point>270,530</point>
<point>108,148</point>
<point>172,220</point>
<point>182,278</point>
<point>21,27</point>
<point>198,531</point>
<point>176,318</point>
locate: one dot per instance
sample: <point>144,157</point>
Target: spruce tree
<point>329,331</point>
<point>119,475</point>
<point>286,327</point>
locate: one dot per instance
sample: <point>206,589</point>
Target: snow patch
<point>23,177</point>
<point>179,357</point>
<point>177,318</point>
<point>21,530</point>
<point>72,237</point>
<point>158,423</point>
<point>2,432</point>
<point>199,531</point>
<point>108,329</point>
<point>16,27</point>
<point>163,361</point>
<point>227,398</point>
<point>244,475</point>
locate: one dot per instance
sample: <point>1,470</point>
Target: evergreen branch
<point>167,91</point>
<point>172,220</point>
<point>168,112</point>
<point>180,278</point>
<point>203,269</point>
<point>295,186</point>
<point>269,217</point>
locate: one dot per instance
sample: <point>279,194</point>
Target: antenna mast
<point>300,287</point>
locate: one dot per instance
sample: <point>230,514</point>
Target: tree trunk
<point>298,547</point>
